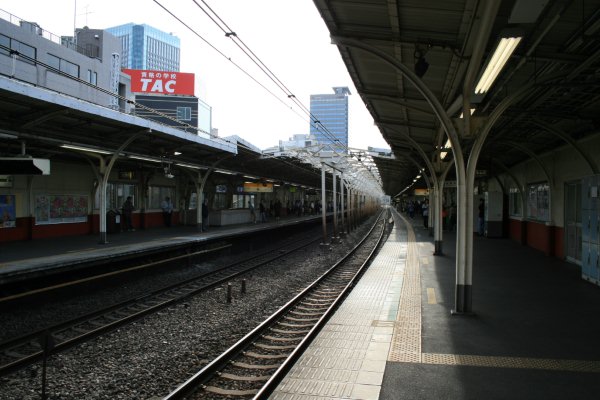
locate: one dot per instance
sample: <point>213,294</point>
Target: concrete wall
<point>78,178</point>
<point>40,76</point>
<point>564,164</point>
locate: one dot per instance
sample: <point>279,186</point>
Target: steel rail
<point>194,383</point>
<point>21,352</point>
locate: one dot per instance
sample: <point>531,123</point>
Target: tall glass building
<point>145,47</point>
<point>331,112</point>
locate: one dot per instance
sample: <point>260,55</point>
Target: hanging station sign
<point>251,187</point>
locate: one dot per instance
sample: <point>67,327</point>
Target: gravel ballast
<point>151,357</point>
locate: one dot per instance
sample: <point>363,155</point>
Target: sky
<point>289,37</point>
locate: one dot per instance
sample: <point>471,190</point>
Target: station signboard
<point>161,82</point>
<point>251,187</point>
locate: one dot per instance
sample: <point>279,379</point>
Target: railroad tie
<point>230,392</point>
<point>306,314</point>
<point>281,339</point>
<point>291,331</point>
<point>255,366</point>
<point>265,356</point>
<point>274,347</point>
<point>296,325</point>
<point>301,319</point>
<point>244,378</point>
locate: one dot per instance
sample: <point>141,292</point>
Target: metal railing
<point>33,27</point>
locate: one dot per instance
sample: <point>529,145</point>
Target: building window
<point>538,201</point>
<point>184,113</point>
<point>220,201</point>
<point>63,65</point>
<point>54,62</point>
<point>5,45</point>
<point>514,201</point>
<point>241,200</point>
<point>116,193</point>
<point>28,52</point>
<point>156,195</point>
<point>92,77</point>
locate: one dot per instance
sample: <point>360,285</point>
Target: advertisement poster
<point>8,211</point>
<point>60,209</point>
<point>159,82</point>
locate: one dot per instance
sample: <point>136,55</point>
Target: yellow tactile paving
<point>357,338</point>
<point>381,322</point>
<point>407,330</point>
<point>406,340</point>
<point>431,299</point>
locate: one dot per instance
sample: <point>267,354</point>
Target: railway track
<point>255,365</point>
<point>28,349</point>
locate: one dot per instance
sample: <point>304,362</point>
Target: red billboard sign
<point>160,82</point>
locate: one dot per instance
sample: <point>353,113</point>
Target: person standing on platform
<point>277,209</point>
<point>167,210</point>
<point>481,216</point>
<point>127,211</point>
<point>263,212</point>
<point>452,217</point>
<point>411,210</point>
<point>252,212</point>
<point>205,215</point>
<point>425,213</point>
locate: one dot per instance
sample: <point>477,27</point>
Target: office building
<point>331,114</point>
<point>44,60</point>
<point>298,141</point>
<point>147,48</point>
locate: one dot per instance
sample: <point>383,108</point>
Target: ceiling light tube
<point>145,159</point>
<point>88,149</point>
<point>501,55</point>
<point>189,165</point>
<point>221,171</point>
<point>472,111</point>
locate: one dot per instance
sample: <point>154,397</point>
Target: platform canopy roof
<point>39,124</point>
<point>551,81</point>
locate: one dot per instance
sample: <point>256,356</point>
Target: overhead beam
<point>42,116</point>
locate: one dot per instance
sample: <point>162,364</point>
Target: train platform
<point>534,333</point>
<point>22,259</point>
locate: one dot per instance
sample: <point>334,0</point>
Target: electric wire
<point>262,66</point>
<point>219,51</point>
<point>180,124</point>
<point>221,24</point>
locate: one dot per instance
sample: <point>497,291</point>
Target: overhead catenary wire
<point>221,24</point>
<point>258,62</point>
<point>231,34</point>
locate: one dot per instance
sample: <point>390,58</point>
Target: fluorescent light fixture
<point>177,153</point>
<point>8,136</point>
<point>501,55</point>
<point>189,165</point>
<point>145,159</point>
<point>222,171</point>
<point>444,152</point>
<point>472,111</point>
<point>250,177</point>
<point>88,149</point>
